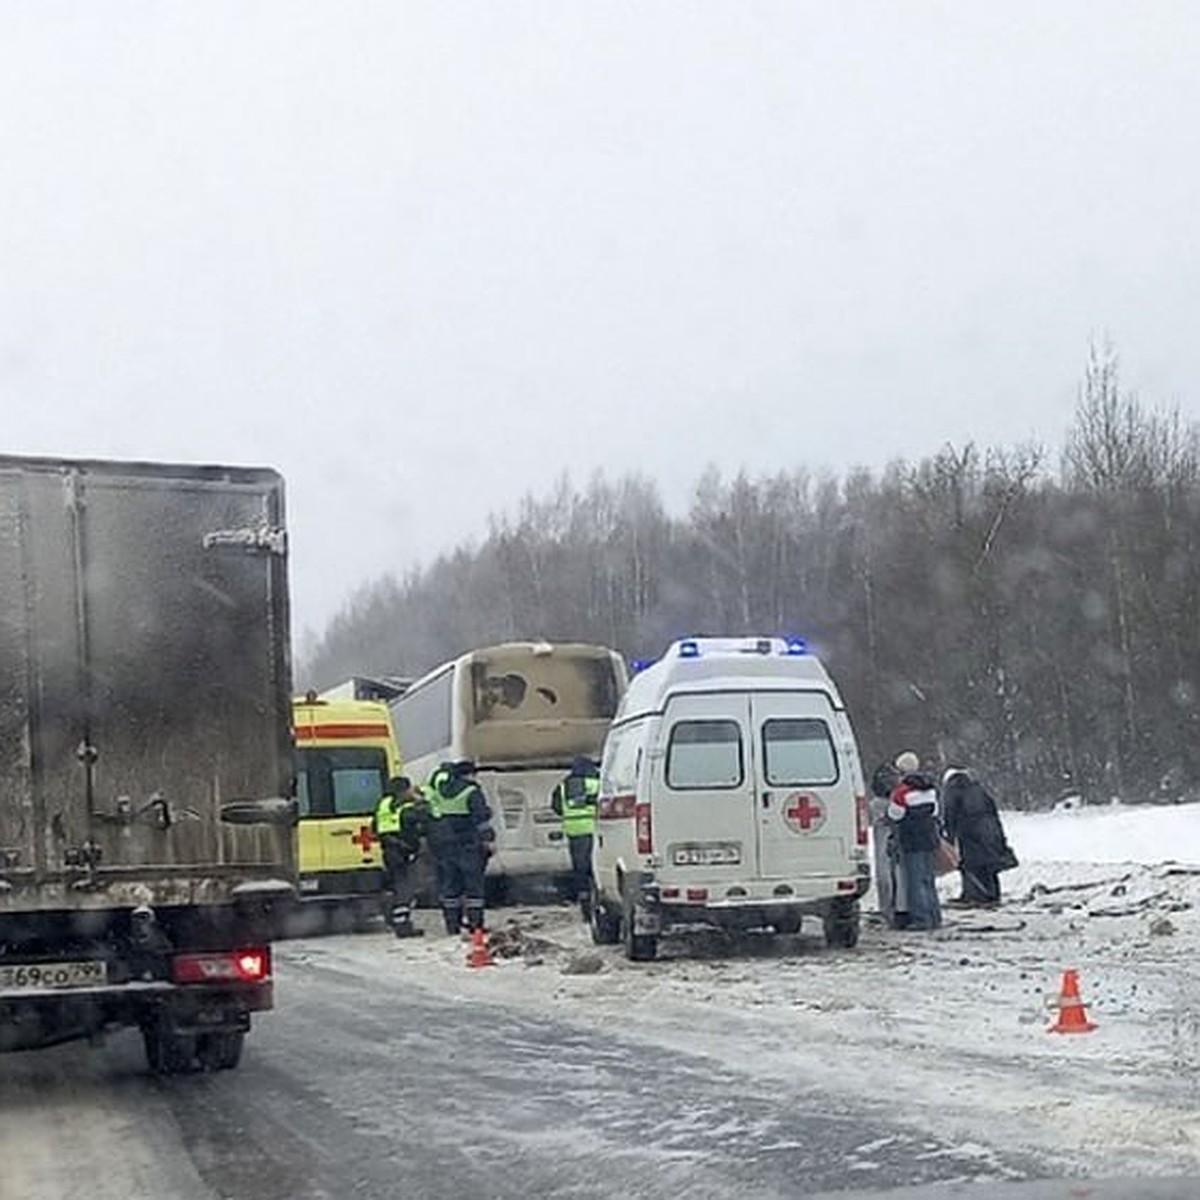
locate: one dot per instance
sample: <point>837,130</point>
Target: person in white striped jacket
<point>913,810</point>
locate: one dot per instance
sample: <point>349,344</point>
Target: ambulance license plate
<point>720,854</point>
<point>33,976</point>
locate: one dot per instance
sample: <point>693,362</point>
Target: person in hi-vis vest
<point>574,799</point>
<point>462,840</point>
<point>400,821</point>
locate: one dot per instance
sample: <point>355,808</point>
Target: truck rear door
<point>18,836</point>
<point>145,678</point>
<point>806,802</point>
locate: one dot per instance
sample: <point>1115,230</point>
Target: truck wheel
<point>606,929</point>
<point>842,924</point>
<point>220,1051</point>
<point>788,925</point>
<point>168,1053</point>
<point>639,947</point>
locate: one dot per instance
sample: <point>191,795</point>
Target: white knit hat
<point>907,763</point>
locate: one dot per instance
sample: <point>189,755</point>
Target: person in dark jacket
<point>893,904</point>
<point>913,810</point>
<point>462,839</point>
<point>973,823</point>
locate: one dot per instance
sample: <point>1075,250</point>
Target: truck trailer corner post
<point>146,810</point>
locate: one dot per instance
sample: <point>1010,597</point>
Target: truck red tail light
<point>862,820</point>
<point>645,831</point>
<point>252,965</point>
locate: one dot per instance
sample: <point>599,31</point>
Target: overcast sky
<point>423,256</point>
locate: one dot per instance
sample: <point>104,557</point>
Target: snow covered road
<point>761,1067</point>
<point>946,1033</point>
<point>367,1084</point>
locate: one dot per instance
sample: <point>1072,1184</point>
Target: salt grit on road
<point>944,1032</point>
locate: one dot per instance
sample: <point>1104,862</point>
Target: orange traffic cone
<point>480,955</point>
<point>1072,1012</point>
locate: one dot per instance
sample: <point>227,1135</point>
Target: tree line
<point>1036,621</point>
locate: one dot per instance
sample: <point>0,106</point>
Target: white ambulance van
<point>731,795</point>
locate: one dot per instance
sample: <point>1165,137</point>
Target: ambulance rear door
<point>702,819</point>
<point>342,767</point>
<point>805,797</point>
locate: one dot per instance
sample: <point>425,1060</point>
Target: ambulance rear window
<point>798,750</point>
<point>340,781</point>
<point>704,754</point>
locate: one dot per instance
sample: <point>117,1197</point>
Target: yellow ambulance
<point>345,753</point>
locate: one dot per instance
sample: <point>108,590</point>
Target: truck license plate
<point>18,976</point>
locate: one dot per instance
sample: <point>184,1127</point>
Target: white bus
<point>521,712</point>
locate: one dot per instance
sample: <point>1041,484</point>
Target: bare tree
<point>1043,630</point>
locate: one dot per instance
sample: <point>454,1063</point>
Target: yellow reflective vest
<point>577,796</point>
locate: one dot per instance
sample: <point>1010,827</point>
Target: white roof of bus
<point>734,664</point>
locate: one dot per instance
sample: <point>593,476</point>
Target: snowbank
<point>1148,834</point>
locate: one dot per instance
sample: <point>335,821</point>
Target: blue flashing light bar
<point>796,646</point>
<point>638,665</point>
<point>689,648</point>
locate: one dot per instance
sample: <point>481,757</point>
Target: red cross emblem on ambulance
<point>364,839</point>
<point>803,813</point>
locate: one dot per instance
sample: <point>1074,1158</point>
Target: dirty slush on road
<point>766,1066</point>
<point>961,1016</point>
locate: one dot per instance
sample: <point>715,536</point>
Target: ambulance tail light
<point>861,820</point>
<point>645,832</point>
<point>252,965</point>
<point>614,808</point>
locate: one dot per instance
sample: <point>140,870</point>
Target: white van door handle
<point>766,799</point>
